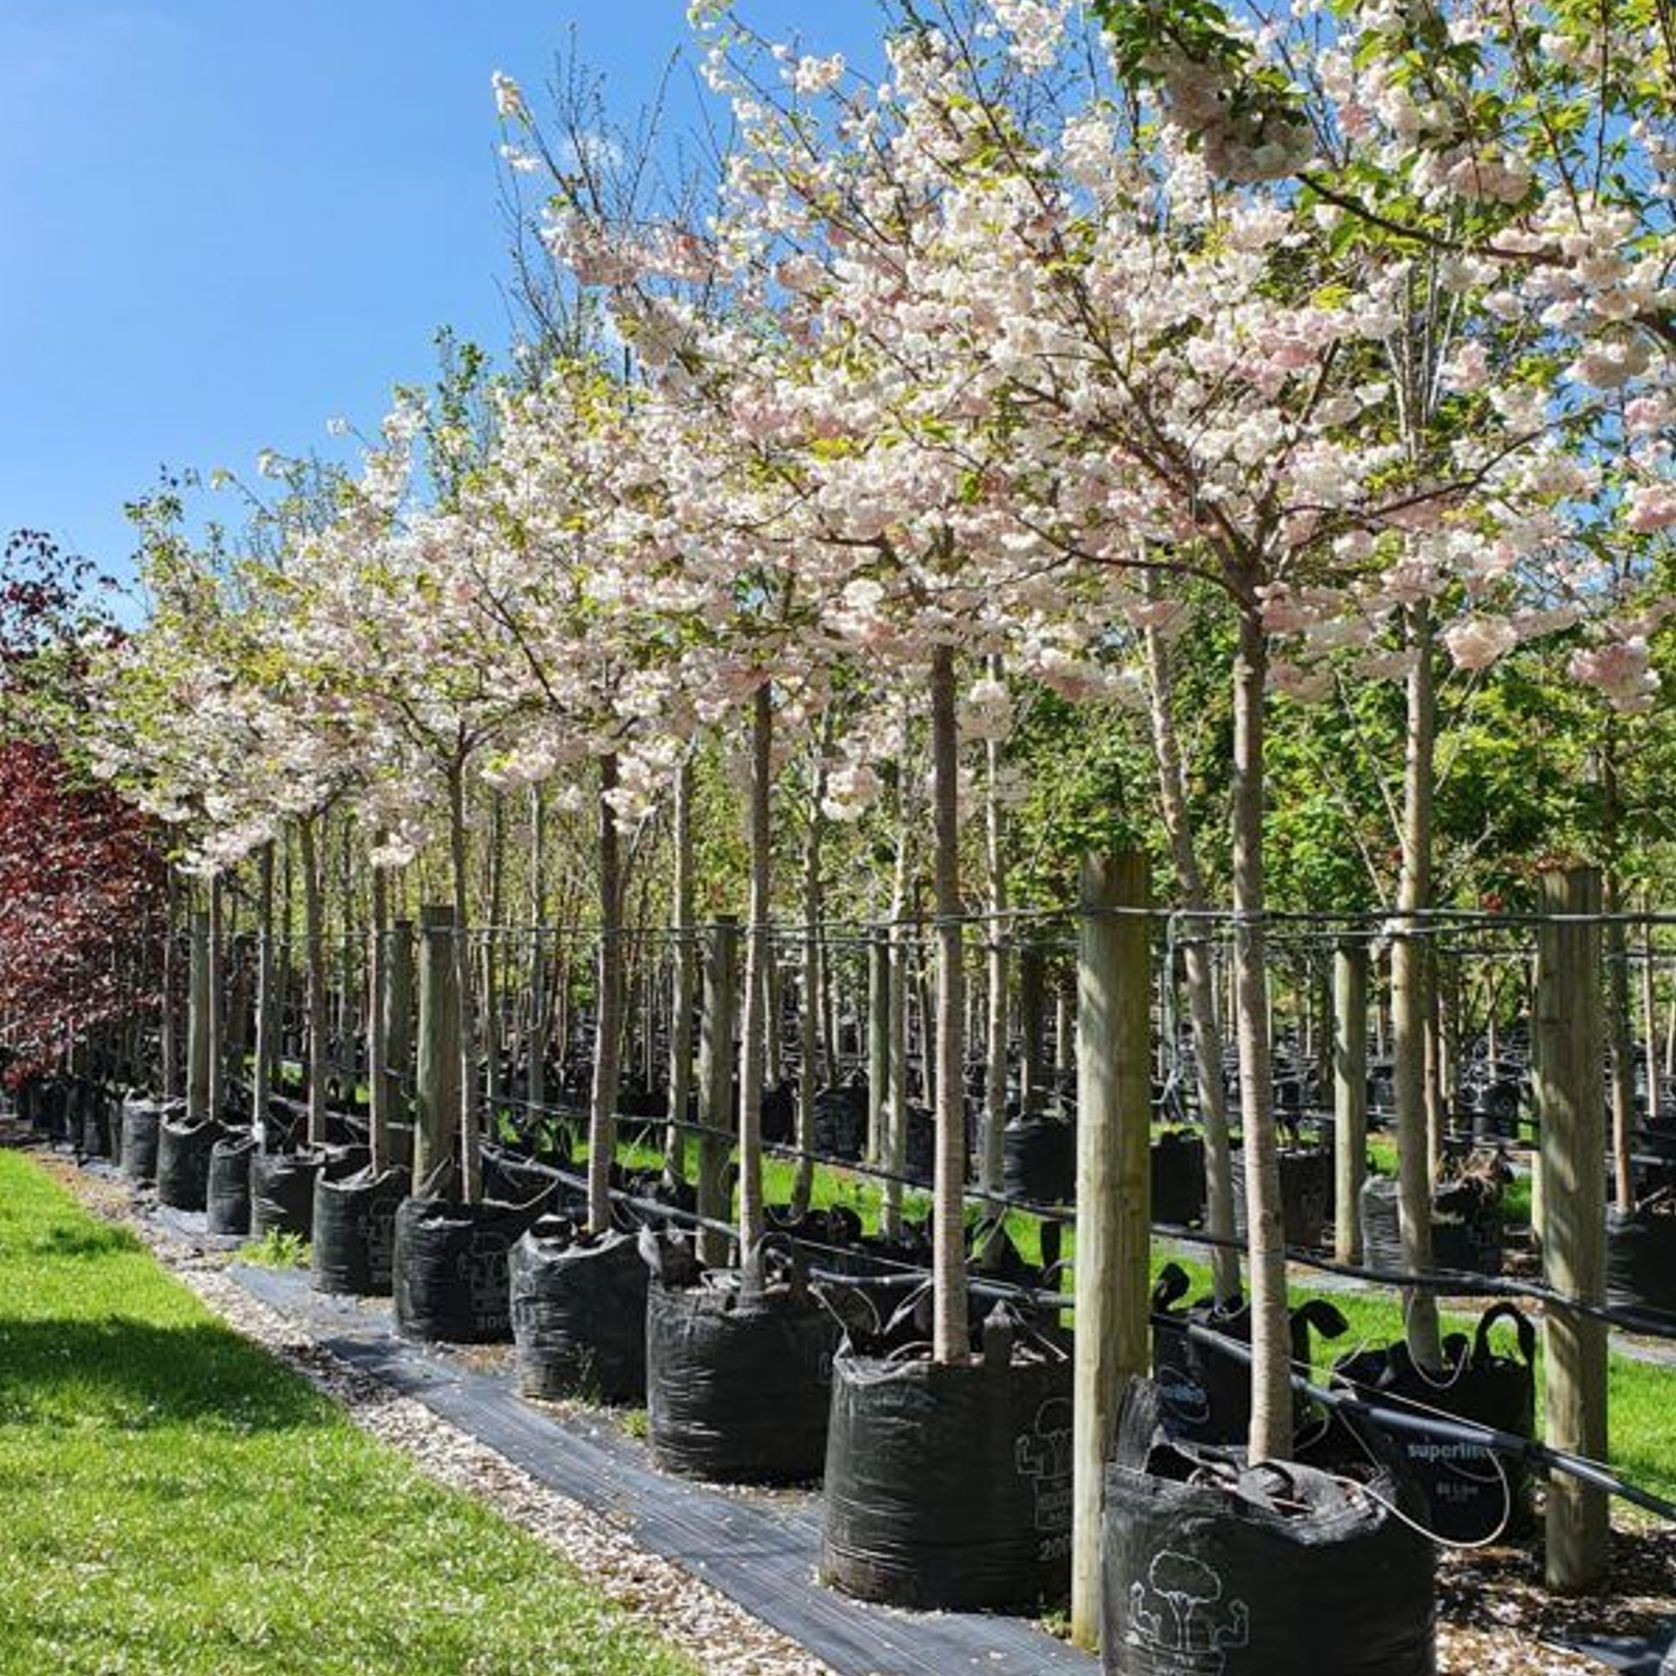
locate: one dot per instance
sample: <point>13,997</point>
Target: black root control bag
<point>183,1159</point>
<point>451,1269</point>
<point>92,1110</point>
<point>1472,1494</point>
<point>579,1313</point>
<point>1641,1263</point>
<point>227,1196</point>
<point>1306,1181</point>
<point>142,1121</point>
<point>1203,1394</point>
<point>1466,1227</point>
<point>950,1487</point>
<point>738,1368</point>
<point>1039,1160</point>
<point>1178,1178</point>
<point>282,1193</point>
<point>1214,1569</point>
<point>354,1246</point>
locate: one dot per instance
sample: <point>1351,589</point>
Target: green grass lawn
<point>178,1503</point>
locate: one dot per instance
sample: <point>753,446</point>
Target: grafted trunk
<point>608,1008</point>
<point>1201,976</point>
<point>755,1023</point>
<point>1410,1001</point>
<point>1271,1390</point>
<point>950,1344</point>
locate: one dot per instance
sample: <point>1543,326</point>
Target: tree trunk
<point>471,1154</point>
<point>217,1001</point>
<point>755,1024</point>
<point>681,1010</point>
<point>378,1041</point>
<point>540,1017</point>
<point>1201,976</point>
<point>608,1009</point>
<point>950,1342</point>
<point>1409,1005</point>
<point>315,948</point>
<point>1620,1033</point>
<point>1271,1388</point>
<point>169,1029</point>
<point>262,1067</point>
<point>992,1164</point>
<point>808,1017</point>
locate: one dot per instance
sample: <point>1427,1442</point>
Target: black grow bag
<point>451,1278</point>
<point>1306,1182</point>
<point>579,1313</point>
<point>1039,1160</point>
<point>1213,1569</point>
<point>841,1121</point>
<point>227,1195</point>
<point>354,1237</point>
<point>949,1487</point>
<point>183,1160</point>
<point>1466,1227</point>
<point>142,1121</point>
<point>1473,1495</point>
<point>92,1110</point>
<point>1641,1264</point>
<point>1203,1393</point>
<point>282,1186</point>
<point>1178,1178</point>
<point>738,1379</point>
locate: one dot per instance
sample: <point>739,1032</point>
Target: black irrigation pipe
<point>1378,1415</point>
<point>1452,1283</point>
<point>1447,1429</point>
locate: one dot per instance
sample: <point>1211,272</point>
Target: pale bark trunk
<point>217,1001</point>
<point>471,1155</point>
<point>993,1158</point>
<point>1271,1389</point>
<point>808,1018</point>
<point>755,1023</point>
<point>1409,1009</point>
<point>1619,1025</point>
<point>540,992</point>
<point>1201,977</point>
<point>1649,1012</point>
<point>608,1009</point>
<point>315,954</point>
<point>950,1342</point>
<point>169,1029</point>
<point>681,1020</point>
<point>378,1044</point>
<point>262,1068</point>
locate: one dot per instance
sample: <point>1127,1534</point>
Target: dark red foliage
<point>81,901</point>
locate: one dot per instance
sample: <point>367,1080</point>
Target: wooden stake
<point>439,1044</point>
<point>198,1050</point>
<point>1570,1091</point>
<point>1350,1095</point>
<point>715,1088</point>
<point>1114,1192</point>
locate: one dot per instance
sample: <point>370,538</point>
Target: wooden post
<point>1114,1192</point>
<point>398,1011</point>
<point>1350,1095</point>
<point>198,1051</point>
<point>1571,1109</point>
<point>715,1087</point>
<point>878,1042</point>
<point>439,1043</point>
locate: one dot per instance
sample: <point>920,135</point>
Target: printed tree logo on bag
<point>1043,1454</point>
<point>1178,1616</point>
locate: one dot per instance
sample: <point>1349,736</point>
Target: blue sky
<point>221,224</point>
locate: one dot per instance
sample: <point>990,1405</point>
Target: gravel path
<point>710,1628</point>
<point>1496,1617</point>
